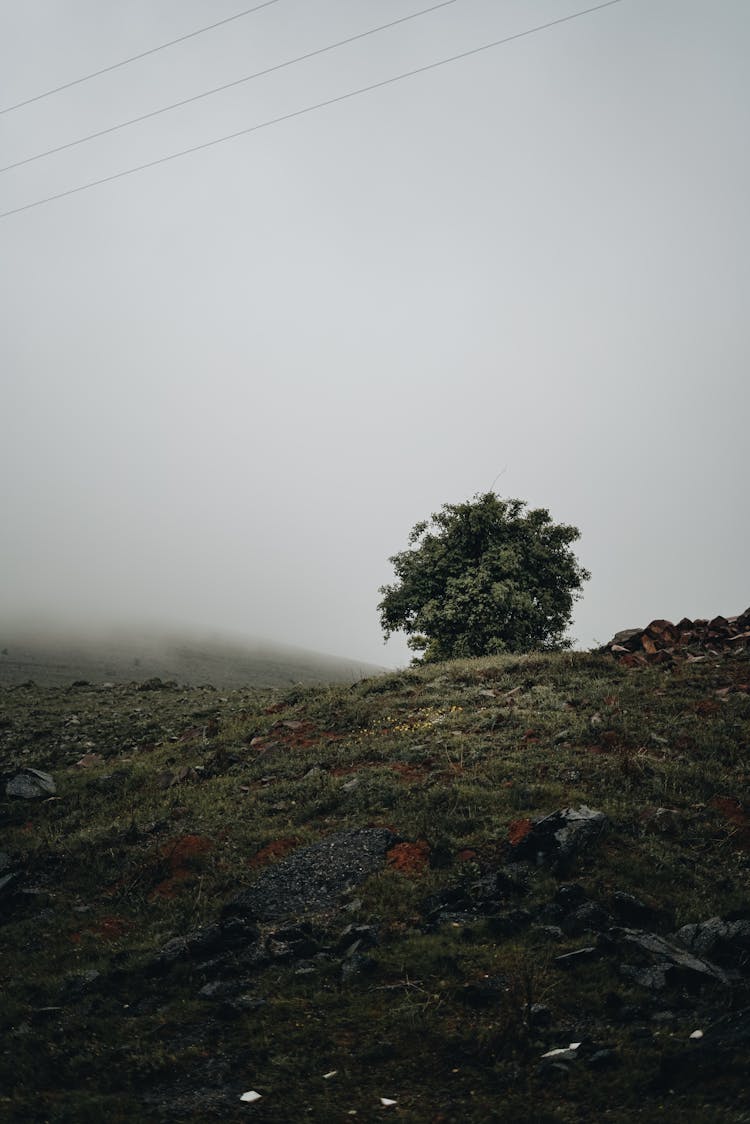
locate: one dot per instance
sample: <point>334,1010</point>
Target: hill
<point>57,659</point>
<point>507,889</point>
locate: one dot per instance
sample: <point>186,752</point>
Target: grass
<point>170,801</point>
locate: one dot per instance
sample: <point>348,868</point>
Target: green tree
<point>484,577</point>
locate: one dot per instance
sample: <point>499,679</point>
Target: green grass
<point>149,841</point>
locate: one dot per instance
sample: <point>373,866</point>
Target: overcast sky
<point>233,382</point>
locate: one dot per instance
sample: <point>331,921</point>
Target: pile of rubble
<point>663,642</point>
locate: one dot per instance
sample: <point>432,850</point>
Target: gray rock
<point>558,838</point>
<point>727,942</point>
<point>603,1059</point>
<point>631,911</point>
<point>8,882</point>
<point>312,879</point>
<point>659,961</point>
<point>31,784</point>
<point>562,1055</point>
<point>203,942</point>
<point>587,918</point>
<point>218,989</point>
<point>540,1015</point>
<point>653,978</point>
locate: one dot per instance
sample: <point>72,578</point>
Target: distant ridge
<point>57,658</point>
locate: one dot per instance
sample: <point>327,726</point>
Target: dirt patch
<point>179,855</point>
<point>272,852</point>
<point>409,858</point>
<point>518,830</point>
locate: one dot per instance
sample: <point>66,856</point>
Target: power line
<point>135,58</point>
<point>226,86</point>
<point>309,109</point>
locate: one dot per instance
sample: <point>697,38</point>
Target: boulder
<point>31,784</point>
<point>654,962</point>
<point>557,839</point>
<point>726,942</point>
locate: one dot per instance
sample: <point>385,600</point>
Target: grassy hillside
<point>56,659</point>
<point>171,944</point>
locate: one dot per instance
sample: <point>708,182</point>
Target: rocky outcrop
<point>663,642</point>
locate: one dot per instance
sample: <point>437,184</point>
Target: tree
<point>484,577</point>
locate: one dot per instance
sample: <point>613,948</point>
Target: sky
<point>230,384</point>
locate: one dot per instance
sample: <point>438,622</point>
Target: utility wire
<point>226,86</point>
<point>134,58</point>
<point>309,108</point>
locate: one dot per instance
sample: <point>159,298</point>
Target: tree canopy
<point>484,577</point>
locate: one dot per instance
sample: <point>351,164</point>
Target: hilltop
<point>500,889</point>
<point>53,658</point>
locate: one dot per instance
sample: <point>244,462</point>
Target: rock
<point>313,879</point>
<point>587,918</point>
<point>205,941</point>
<point>486,897</point>
<point>355,937</point>
<point>540,1015</point>
<point>653,978</point>
<point>8,882</point>
<point>557,839</point>
<point>31,784</point>
<point>218,989</point>
<point>628,638</point>
<point>661,641</point>
<point>570,895</point>
<point>563,1054</point>
<point>298,941</point>
<point>660,962</point>
<point>603,1059</point>
<point>447,904</point>
<point>725,942</point>
<point>632,912</point>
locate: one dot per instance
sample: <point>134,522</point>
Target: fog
<point>232,383</point>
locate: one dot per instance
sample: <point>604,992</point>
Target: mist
<point>232,383</point>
